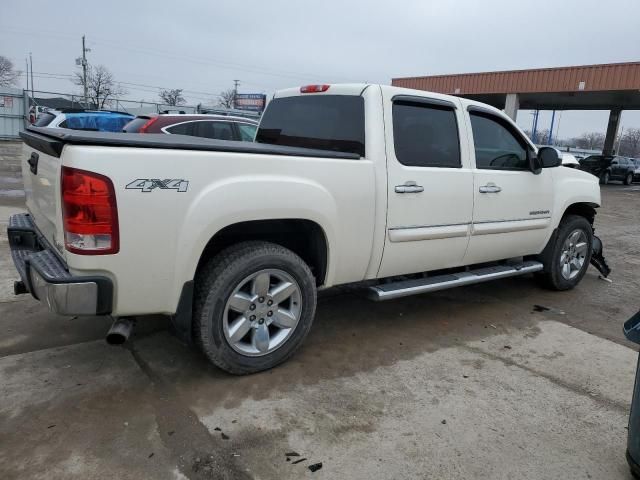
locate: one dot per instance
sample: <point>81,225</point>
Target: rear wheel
<point>254,305</point>
<point>628,179</point>
<point>604,178</point>
<point>567,258</point>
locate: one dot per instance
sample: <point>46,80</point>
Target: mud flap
<point>597,258</point>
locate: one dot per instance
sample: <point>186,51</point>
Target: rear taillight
<point>89,213</point>
<point>146,126</point>
<point>314,88</point>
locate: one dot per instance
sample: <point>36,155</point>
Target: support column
<point>511,105</point>
<point>612,131</point>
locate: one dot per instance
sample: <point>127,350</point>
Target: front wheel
<point>567,257</point>
<point>254,305</point>
<point>628,179</point>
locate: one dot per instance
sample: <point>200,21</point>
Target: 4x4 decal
<point>149,184</point>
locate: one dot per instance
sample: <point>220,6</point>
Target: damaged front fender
<point>597,257</point>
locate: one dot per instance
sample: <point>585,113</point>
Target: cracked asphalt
<point>465,383</point>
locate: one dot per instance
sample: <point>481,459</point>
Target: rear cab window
<point>323,122</point>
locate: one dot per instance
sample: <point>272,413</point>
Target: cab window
<point>425,135</point>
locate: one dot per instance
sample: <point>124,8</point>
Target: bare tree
<point>630,143</point>
<point>101,86</point>
<point>8,76</point>
<point>540,138</point>
<point>227,98</point>
<point>172,97</point>
<point>591,141</point>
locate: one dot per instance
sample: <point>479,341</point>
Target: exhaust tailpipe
<point>120,331</point>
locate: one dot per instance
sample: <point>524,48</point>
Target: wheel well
<point>586,210</point>
<point>303,237</point>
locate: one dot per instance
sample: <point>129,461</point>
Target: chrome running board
<point>404,288</point>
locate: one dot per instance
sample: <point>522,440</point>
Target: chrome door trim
<point>428,232</point>
<point>507,226</point>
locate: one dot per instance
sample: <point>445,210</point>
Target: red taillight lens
<point>89,213</point>
<point>146,126</point>
<point>314,88</point>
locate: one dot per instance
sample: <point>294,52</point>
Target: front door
<point>429,190</point>
<point>512,205</point>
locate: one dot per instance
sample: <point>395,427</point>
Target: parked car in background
<point>75,119</point>
<point>35,111</point>
<point>609,167</point>
<point>570,161</point>
<point>220,127</point>
<point>636,171</point>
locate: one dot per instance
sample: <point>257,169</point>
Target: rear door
<point>512,205</point>
<point>430,197</point>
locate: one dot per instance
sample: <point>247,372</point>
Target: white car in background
<point>570,161</point>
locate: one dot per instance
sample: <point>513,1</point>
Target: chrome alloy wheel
<point>262,312</point>
<point>574,252</point>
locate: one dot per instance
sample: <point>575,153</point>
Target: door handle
<point>490,188</point>
<point>409,187</point>
<point>33,162</point>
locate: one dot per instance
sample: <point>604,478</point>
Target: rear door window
<point>216,130</point>
<point>425,135</point>
<point>324,122</point>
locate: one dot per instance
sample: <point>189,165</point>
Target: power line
<point>64,76</point>
<point>149,89</point>
<point>187,58</point>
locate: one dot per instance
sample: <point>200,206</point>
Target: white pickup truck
<point>405,191</point>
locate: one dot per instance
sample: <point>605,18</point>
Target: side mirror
<point>549,157</point>
<point>535,165</point>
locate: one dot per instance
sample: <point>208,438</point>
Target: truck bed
<point>52,140</point>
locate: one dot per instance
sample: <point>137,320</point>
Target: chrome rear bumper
<point>44,274</point>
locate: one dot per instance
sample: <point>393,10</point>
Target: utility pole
<point>31,64</point>
<point>26,63</point>
<point>235,92</point>
<point>84,72</point>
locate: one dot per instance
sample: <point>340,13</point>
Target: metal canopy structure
<point>614,87</point>
<point>589,87</point>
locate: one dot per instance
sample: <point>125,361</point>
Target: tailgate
<point>41,166</point>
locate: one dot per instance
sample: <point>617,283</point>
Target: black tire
<point>551,277</point>
<point>628,180</point>
<point>604,178</point>
<point>216,281</point>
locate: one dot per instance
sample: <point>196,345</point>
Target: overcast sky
<point>201,46</point>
